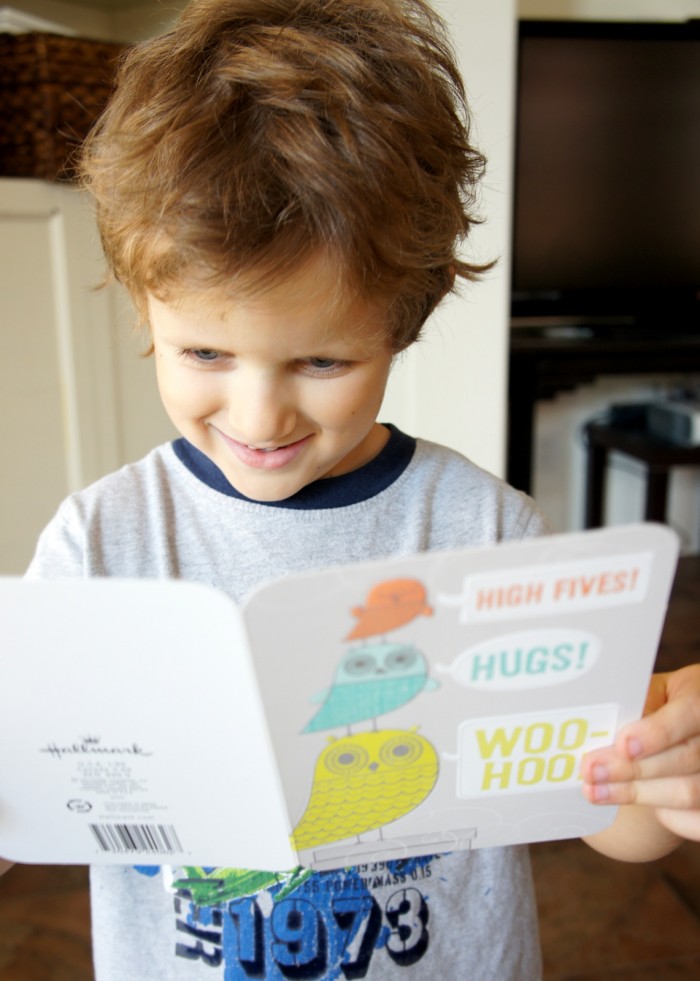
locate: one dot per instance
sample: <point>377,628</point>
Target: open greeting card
<point>378,711</point>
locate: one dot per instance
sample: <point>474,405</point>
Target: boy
<point>281,186</point>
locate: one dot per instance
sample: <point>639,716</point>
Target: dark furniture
<point>658,455</point>
<point>547,360</point>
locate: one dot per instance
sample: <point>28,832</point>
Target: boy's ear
<point>143,331</point>
<point>143,328</point>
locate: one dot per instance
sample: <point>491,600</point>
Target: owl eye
<point>359,664</point>
<point>401,750</point>
<point>401,660</point>
<point>346,759</point>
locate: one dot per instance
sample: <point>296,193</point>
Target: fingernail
<point>634,747</point>
<point>601,793</point>
<point>599,773</point>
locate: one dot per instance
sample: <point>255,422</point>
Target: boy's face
<point>278,389</point>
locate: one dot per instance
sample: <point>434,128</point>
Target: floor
<point>599,919</point>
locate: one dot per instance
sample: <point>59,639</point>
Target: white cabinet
<point>65,371</point>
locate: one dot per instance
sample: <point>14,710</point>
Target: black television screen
<point>606,224</point>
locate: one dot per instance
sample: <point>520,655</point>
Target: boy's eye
<point>325,366</point>
<point>204,354</point>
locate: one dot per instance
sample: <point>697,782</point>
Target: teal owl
<point>369,682</point>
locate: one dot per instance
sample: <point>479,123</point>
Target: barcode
<point>128,838</point>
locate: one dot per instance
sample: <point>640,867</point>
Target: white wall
<point>144,18</point>
<point>100,20</point>
<point>609,9</point>
<point>68,18</point>
<point>451,387</point>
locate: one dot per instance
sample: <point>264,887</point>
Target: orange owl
<point>390,604</point>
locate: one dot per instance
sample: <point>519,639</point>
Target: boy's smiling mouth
<point>264,457</point>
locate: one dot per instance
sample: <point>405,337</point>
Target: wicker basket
<point>52,88</point>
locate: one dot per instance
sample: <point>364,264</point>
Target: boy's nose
<point>261,411</point>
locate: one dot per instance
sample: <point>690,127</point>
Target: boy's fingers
<point>675,793</point>
<point>607,766</point>
<point>673,704</point>
<point>656,761</point>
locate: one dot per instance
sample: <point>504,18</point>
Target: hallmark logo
<point>89,745</point>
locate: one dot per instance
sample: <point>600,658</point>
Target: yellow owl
<point>364,781</point>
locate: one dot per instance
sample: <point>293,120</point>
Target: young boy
<point>282,186</point>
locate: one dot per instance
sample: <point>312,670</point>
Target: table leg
<point>596,462</point>
<point>521,425</point>
<point>657,494</point>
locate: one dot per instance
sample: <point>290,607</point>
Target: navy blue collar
<point>329,492</point>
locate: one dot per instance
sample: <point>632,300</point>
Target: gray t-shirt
<point>457,915</point>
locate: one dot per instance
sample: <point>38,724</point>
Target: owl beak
<point>373,766</point>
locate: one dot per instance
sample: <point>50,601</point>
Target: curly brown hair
<point>256,133</point>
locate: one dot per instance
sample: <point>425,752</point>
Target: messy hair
<point>257,133</point>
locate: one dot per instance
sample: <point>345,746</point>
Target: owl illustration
<point>370,681</point>
<point>390,604</point>
<point>365,781</point>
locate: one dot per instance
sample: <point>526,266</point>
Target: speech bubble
<point>520,754</point>
<point>596,583</point>
<point>525,659</point>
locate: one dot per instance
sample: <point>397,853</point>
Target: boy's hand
<point>656,761</point>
